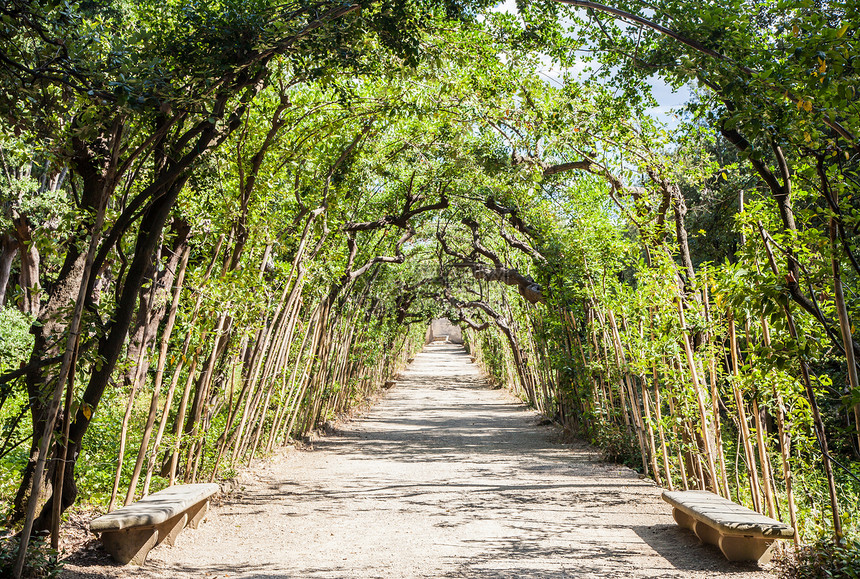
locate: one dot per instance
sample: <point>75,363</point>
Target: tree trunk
<point>152,302</point>
<point>111,344</point>
<point>47,343</point>
<point>30,261</point>
<point>8,251</point>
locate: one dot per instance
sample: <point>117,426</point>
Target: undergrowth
<point>42,562</point>
<point>823,558</point>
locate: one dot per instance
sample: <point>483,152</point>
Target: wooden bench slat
<point>726,516</point>
<point>155,508</point>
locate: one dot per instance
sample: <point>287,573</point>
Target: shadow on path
<point>445,477</point>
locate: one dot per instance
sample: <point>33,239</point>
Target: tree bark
<point>52,321</point>
<point>110,346</point>
<point>29,266</point>
<point>152,305</point>
<point>8,251</point>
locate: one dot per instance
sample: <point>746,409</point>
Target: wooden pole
<point>664,450</point>
<point>752,471</point>
<point>697,386</point>
<point>820,431</point>
<point>159,377</point>
<point>715,398</point>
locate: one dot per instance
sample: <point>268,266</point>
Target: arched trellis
<point>347,225</point>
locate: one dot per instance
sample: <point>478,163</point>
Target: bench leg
<point>196,513</point>
<point>170,529</point>
<point>746,548</point>
<point>683,519</point>
<point>707,534</point>
<point>129,545</point>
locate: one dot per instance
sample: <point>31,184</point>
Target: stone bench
<point>129,533</point>
<point>741,534</point>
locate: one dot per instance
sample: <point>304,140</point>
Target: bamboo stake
<point>283,336</point>
<point>195,311</point>
<point>715,400</point>
<point>136,383</point>
<point>201,395</point>
<point>320,317</point>
<point>165,413</point>
<point>651,442</point>
<point>813,403</point>
<point>648,420</point>
<point>608,404</point>
<point>688,432</point>
<point>697,386</point>
<point>681,466</point>
<point>294,385</point>
<point>839,301</point>
<point>763,461</point>
<point>180,417</point>
<point>259,404</point>
<point>123,433</point>
<point>276,421</point>
<point>761,443</point>
<point>784,443</point>
<point>742,417</point>
<point>159,376</point>
<point>621,363</point>
<point>232,410</point>
<point>664,450</point>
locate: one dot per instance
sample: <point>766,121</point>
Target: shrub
<point>618,445</point>
<point>823,558</point>
<point>42,561</point>
<point>15,338</point>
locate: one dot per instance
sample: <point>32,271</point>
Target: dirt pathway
<point>443,478</point>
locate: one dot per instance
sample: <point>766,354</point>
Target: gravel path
<point>443,478</point>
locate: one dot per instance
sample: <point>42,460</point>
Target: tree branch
<point>698,47</point>
<point>401,220</point>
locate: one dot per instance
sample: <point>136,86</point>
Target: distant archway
<point>443,329</point>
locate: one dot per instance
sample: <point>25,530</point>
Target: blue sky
<point>666,98</point>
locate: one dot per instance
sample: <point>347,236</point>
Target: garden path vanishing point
<point>444,477</point>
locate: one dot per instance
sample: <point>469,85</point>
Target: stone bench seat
<point>740,533</point>
<point>129,533</point>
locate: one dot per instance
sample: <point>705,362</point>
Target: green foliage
<point>315,262</point>
<point>822,558</point>
<point>618,445</point>
<point>42,562</point>
<point>15,346</point>
<point>15,340</point>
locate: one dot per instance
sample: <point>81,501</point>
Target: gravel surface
<point>444,477</point>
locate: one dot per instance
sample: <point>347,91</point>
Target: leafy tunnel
<point>226,223</point>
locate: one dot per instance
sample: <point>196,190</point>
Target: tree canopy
<point>226,222</point>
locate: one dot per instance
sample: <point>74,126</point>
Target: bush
<point>15,339</point>
<point>618,445</point>
<point>823,558</point>
<point>42,561</point>
<point>15,345</point>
